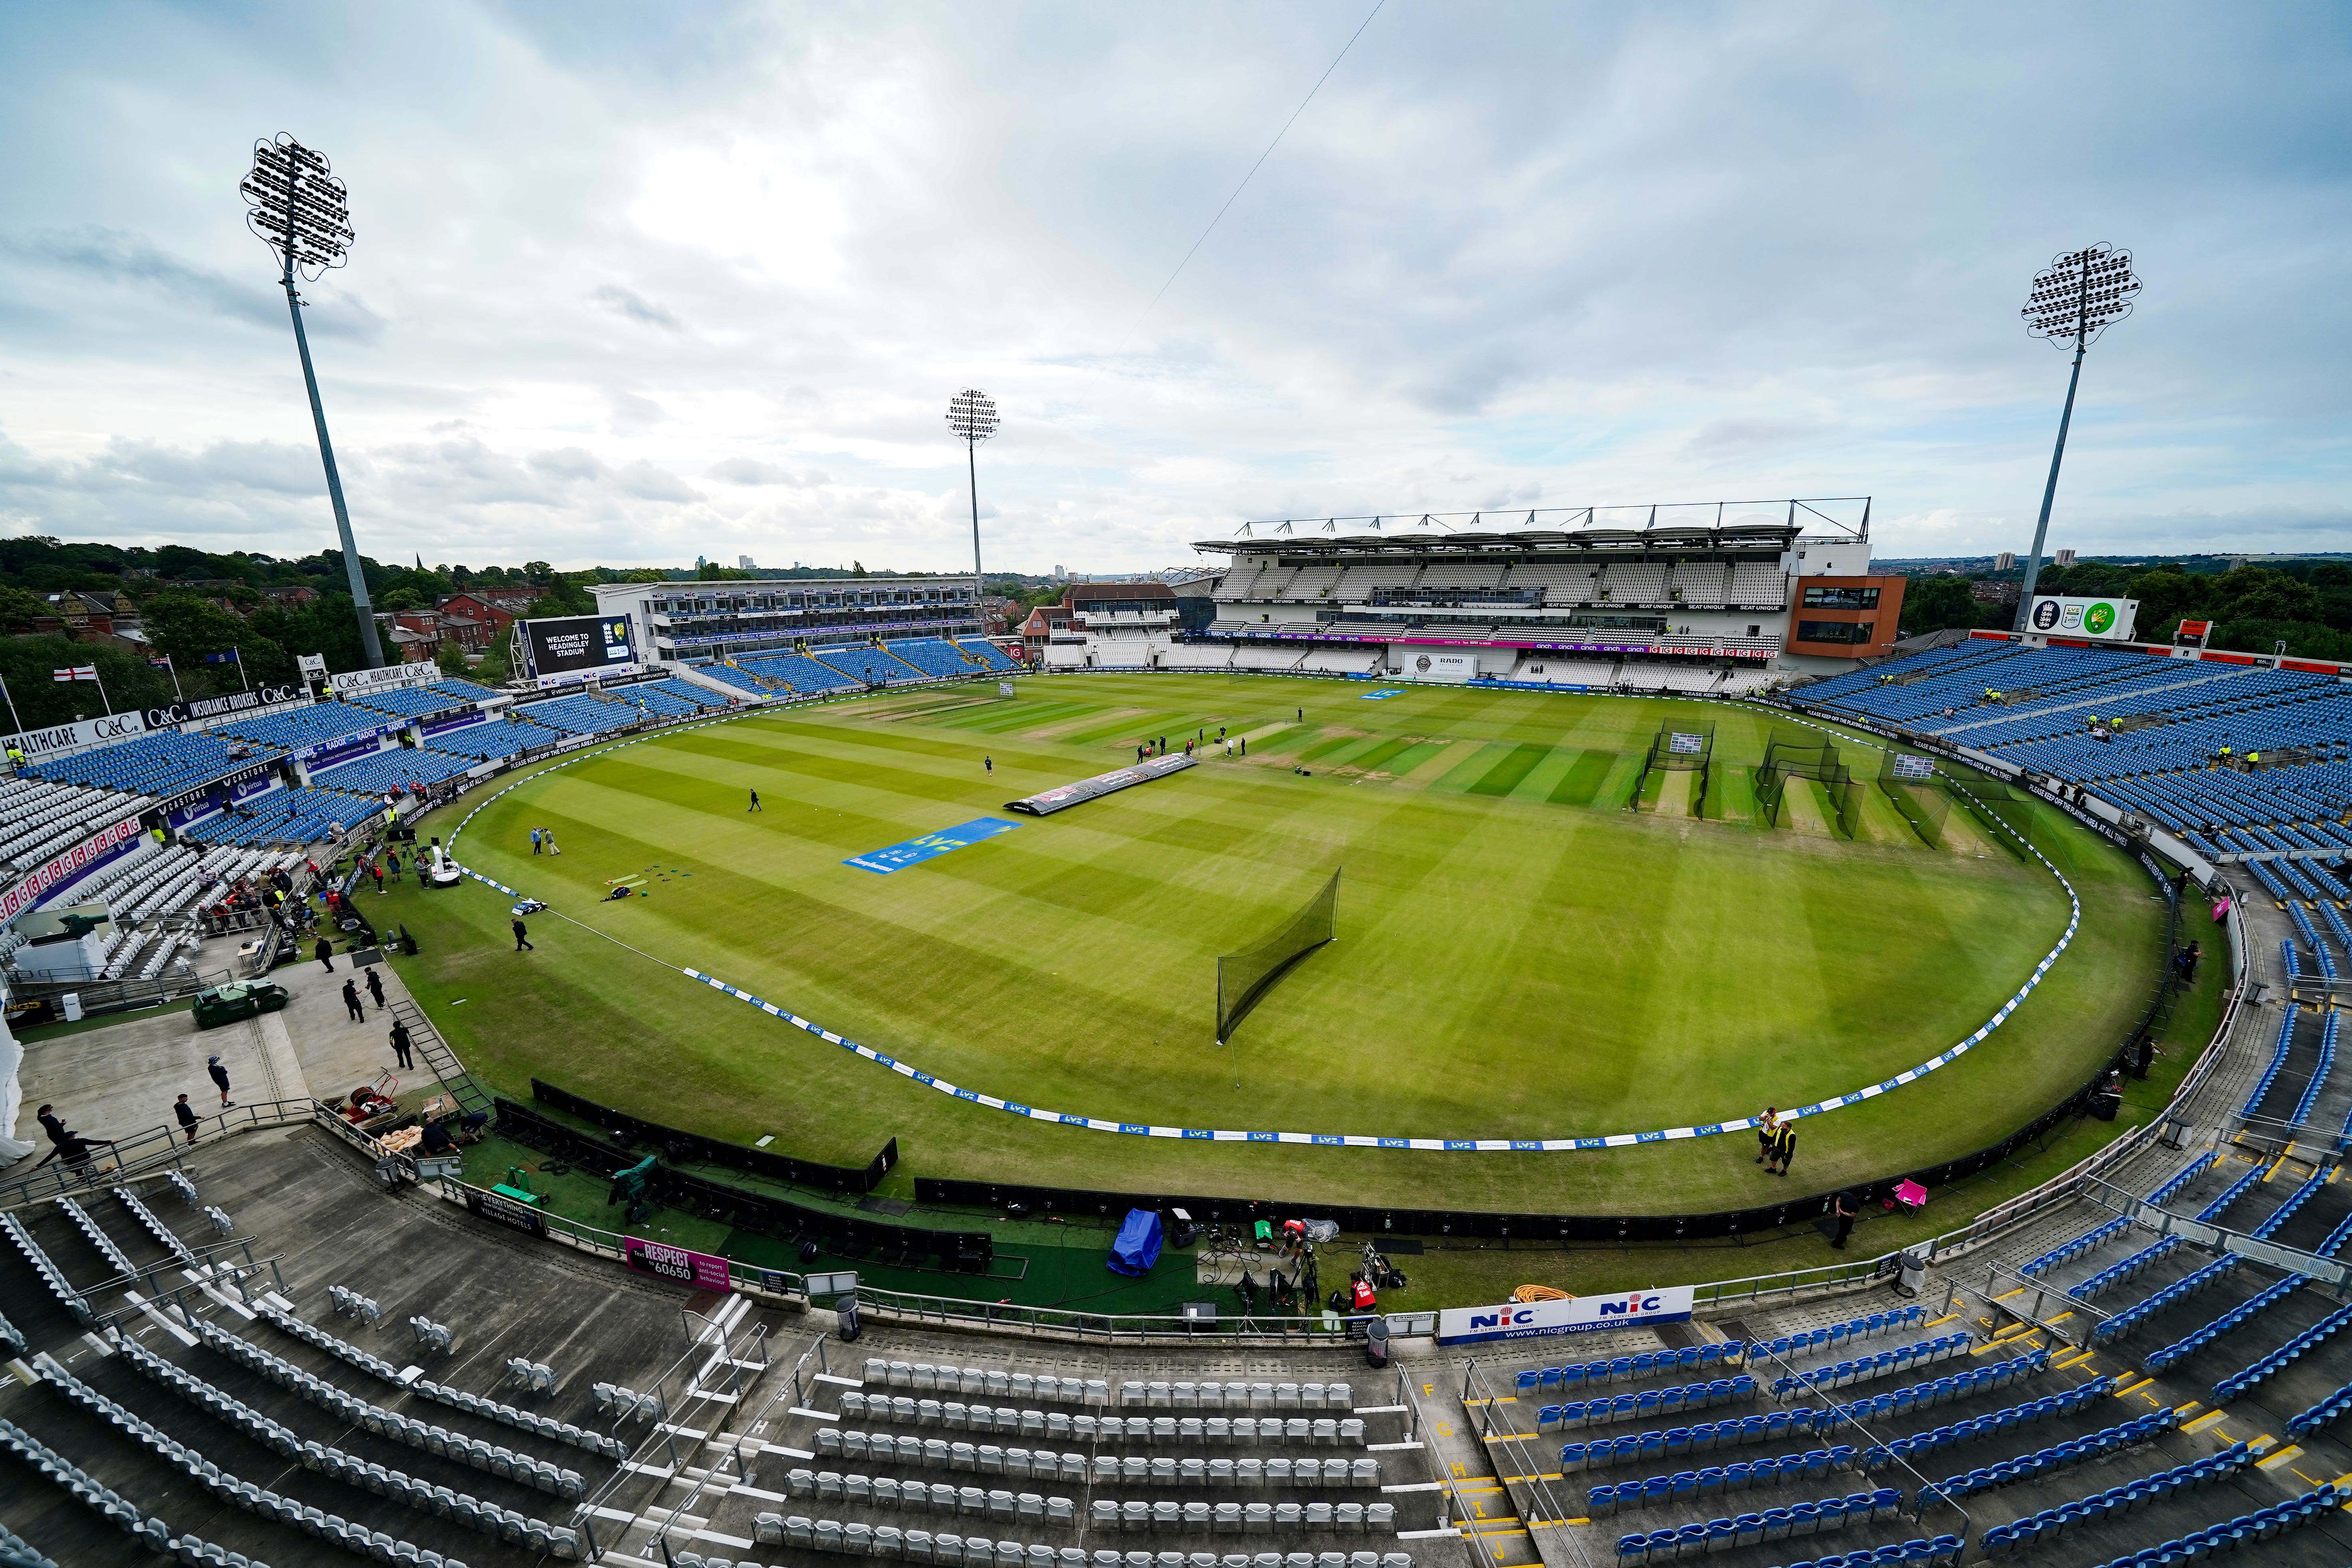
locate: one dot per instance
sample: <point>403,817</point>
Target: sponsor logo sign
<point>443,726</point>
<point>391,675</point>
<point>1584,1315</point>
<point>698,1269</point>
<point>930,846</point>
<point>100,846</point>
<point>1914,767</point>
<point>510,1214</point>
<point>59,740</point>
<point>2111,618</point>
<point>1442,666</point>
<point>1689,745</point>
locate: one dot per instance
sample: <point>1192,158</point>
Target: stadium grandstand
<point>1723,599</point>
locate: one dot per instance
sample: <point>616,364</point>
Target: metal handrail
<point>157,1149</point>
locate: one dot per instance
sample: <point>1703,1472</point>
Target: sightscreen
<point>1242,978</point>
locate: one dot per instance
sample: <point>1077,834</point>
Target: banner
<point>1581,1315</point>
<point>235,705</point>
<point>99,846</point>
<point>342,749</point>
<point>357,680</point>
<point>506,1212</point>
<point>1914,767</point>
<point>442,726</point>
<point>1442,666</point>
<point>61,739</point>
<point>1688,745</point>
<point>698,1269</point>
<point>2111,618</point>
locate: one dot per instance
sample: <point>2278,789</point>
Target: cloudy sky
<point>637,282</point>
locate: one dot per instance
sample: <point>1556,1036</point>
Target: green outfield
<point>1520,954</point>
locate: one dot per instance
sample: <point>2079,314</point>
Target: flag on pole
<point>76,672</point>
<point>160,660</point>
<point>229,657</point>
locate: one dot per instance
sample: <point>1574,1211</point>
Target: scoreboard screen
<point>577,644</point>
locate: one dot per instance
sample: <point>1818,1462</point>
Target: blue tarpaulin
<point>1138,1247</point>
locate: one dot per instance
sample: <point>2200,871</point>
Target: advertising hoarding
<point>2057,616</point>
<point>699,1269</point>
<point>1578,1315</point>
<point>1433,665</point>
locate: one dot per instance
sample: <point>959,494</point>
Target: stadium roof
<point>1736,536</point>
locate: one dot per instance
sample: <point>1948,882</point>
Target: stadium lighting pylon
<point>2077,297</point>
<point>296,206</point>
<point>971,415</point>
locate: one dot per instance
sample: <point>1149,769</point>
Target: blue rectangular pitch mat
<point>930,844</point>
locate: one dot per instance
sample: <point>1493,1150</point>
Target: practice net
<point>1244,978</point>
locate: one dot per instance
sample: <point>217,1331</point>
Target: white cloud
<point>633,284</point>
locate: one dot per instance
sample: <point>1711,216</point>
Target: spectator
<point>401,1045</point>
<point>325,953</point>
<point>52,1125</point>
<point>187,1115</point>
<point>219,1074</point>
<point>375,985</point>
<point>548,834</point>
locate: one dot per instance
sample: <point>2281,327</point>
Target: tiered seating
<point>2278,1360</point>
<point>672,696</point>
<point>164,1235</point>
<point>51,1274</point>
<point>38,819</point>
<point>292,817</point>
<point>2059,1455</point>
<point>2239,1189</point>
<point>2131,1317</point>
<point>2236,1318</point>
<point>1759,582</point>
<point>1903,1358</point>
<point>305,726</point>
<point>2055,1521</point>
<point>2116,1273</point>
<point>2287,1210</point>
<point>2171,1188</point>
<point>159,1537</point>
<point>425,1387</point>
<point>2308,1509</point>
<point>866,664</point>
<point>2088,1241</point>
<point>416,701</point>
<point>487,1458</point>
<point>1809,1518</point>
<point>580,715</point>
<point>992,659</point>
<point>485,743</point>
<point>935,657</point>
<point>1654,1404</point>
<point>160,762</point>
<point>395,769</point>
<point>796,672</point>
<point>1920,1445</point>
<point>272,1505</point>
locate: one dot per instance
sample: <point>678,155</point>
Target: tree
<point>26,663</point>
<point>452,659</point>
<point>2257,593</point>
<point>1934,603</point>
<point>18,610</point>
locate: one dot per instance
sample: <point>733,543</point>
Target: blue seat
<point>1632,1545</point>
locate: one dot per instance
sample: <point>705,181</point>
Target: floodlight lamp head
<point>2080,295</point>
<point>971,415</point>
<point>295,206</point>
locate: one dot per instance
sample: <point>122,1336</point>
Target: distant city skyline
<point>631,285</point>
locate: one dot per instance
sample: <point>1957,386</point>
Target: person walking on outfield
<point>535,841</point>
<point>187,1115</point>
<point>352,1002</point>
<point>1845,1211</point>
<point>219,1074</point>
<point>325,953</point>
<point>522,935</point>
<point>1784,1147</point>
<point>401,1047</point>
<point>549,835</point>
<point>377,872</point>
<point>755,802</point>
<point>1764,1126</point>
<point>1302,715</point>
<point>375,987</point>
<point>989,763</point>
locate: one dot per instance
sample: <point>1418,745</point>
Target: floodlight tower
<point>2078,296</point>
<point>297,208</point>
<point>971,415</point>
